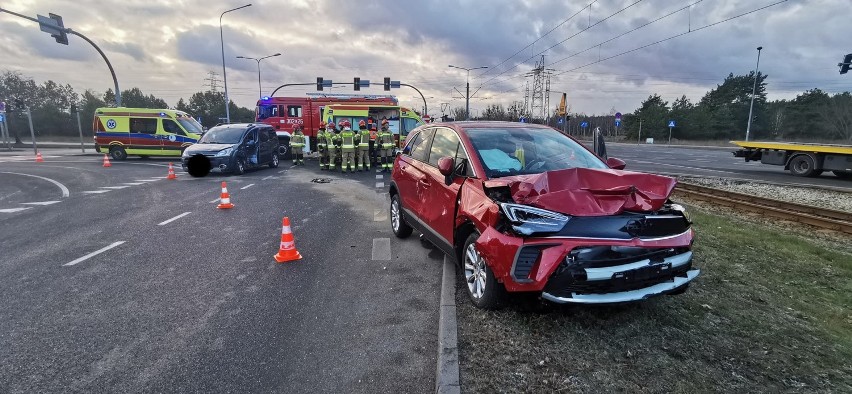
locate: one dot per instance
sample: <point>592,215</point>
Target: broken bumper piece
<point>672,286</point>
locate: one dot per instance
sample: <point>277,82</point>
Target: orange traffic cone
<point>225,198</point>
<point>39,159</point>
<point>287,251</point>
<point>106,161</point>
<point>171,172</point>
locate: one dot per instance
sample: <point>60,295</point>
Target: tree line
<point>721,114</point>
<point>52,106</point>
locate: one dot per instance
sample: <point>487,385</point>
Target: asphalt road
<point>187,297</point>
<point>711,161</point>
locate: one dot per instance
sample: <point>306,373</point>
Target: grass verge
<point>769,313</point>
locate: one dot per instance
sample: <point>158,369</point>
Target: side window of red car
<point>420,146</point>
<point>444,144</point>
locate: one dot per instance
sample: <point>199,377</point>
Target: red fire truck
<point>285,113</point>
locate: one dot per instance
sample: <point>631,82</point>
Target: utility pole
<point>32,133</point>
<point>225,72</point>
<point>753,91</point>
<point>639,140</point>
<point>467,88</point>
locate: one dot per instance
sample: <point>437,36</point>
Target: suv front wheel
<point>400,228</point>
<point>482,287</point>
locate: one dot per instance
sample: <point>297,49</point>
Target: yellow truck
<point>801,159</point>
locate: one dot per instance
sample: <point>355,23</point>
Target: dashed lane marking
<point>381,249</point>
<point>282,171</point>
<point>132,183</point>
<point>247,186</point>
<point>114,187</point>
<point>96,191</point>
<point>380,176</point>
<point>380,215</point>
<point>268,177</point>
<point>65,192</point>
<point>93,254</point>
<point>13,210</point>
<point>216,200</point>
<point>173,219</point>
<point>380,184</point>
<point>40,203</point>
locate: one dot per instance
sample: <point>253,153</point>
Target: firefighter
<point>362,158</point>
<point>297,146</point>
<point>347,147</point>
<point>322,147</point>
<point>332,141</point>
<point>374,149</point>
<point>385,138</point>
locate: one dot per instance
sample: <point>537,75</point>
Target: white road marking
<point>114,187</point>
<point>380,215</point>
<point>268,177</point>
<point>62,187</point>
<point>95,253</point>
<point>380,184</point>
<point>97,191</point>
<point>282,171</point>
<point>379,170</point>
<point>12,210</point>
<point>381,249</point>
<point>173,219</point>
<point>380,176</point>
<point>247,186</point>
<point>40,203</point>
<point>216,200</point>
<point>132,183</point>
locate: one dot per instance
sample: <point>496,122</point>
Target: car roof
<point>467,125</point>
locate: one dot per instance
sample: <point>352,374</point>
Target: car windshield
<point>222,135</point>
<point>191,125</point>
<point>517,150</point>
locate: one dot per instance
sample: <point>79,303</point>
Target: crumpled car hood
<point>589,192</point>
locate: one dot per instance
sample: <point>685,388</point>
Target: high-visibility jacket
<point>332,138</point>
<point>347,138</point>
<point>321,140</point>
<point>297,141</point>
<point>364,138</point>
<point>386,139</point>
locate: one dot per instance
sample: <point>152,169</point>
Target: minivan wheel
<point>400,228</point>
<point>274,162</point>
<point>239,167</point>
<point>118,153</point>
<point>482,287</point>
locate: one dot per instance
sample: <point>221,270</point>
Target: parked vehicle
<point>236,148</point>
<point>525,208</point>
<point>801,159</point>
<point>144,132</point>
<point>401,120</point>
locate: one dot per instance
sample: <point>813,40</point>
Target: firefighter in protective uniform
<point>347,148</point>
<point>385,141</point>
<point>362,158</point>
<point>297,144</point>
<point>322,146</point>
<point>332,141</point>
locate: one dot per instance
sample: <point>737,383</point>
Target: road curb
<point>447,378</point>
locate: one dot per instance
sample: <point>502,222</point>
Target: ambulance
<point>144,132</point>
<point>401,120</point>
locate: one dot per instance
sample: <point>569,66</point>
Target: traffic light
<point>357,83</point>
<point>387,84</point>
<point>319,83</point>
<point>844,67</point>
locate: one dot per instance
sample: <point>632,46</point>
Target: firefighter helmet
<point>362,123</point>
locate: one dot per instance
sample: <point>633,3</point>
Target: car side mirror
<point>445,167</point>
<point>615,164</point>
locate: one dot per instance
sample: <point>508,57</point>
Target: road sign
<point>672,123</point>
<point>559,120</point>
<point>584,124</point>
<point>2,118</point>
<point>618,116</point>
<point>2,106</point>
<point>617,122</point>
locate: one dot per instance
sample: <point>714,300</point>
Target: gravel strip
<point>822,198</point>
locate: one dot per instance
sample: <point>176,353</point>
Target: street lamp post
<point>467,91</point>
<point>224,73</point>
<point>259,89</point>
<point>753,92</point>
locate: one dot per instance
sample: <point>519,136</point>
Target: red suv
<point>525,208</point>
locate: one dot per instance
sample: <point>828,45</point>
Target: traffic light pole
<point>80,128</point>
<point>5,132</point>
<point>69,31</point>
<point>32,133</point>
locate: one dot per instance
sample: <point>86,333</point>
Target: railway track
<point>815,216</point>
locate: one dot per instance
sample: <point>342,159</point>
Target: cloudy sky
<point>167,48</point>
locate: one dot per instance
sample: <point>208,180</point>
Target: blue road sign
<point>672,123</point>
<point>560,121</point>
<point>522,119</point>
<point>584,124</point>
<point>618,116</point>
<point>617,122</point>
<point>2,118</point>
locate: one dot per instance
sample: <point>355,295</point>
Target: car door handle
<point>424,182</point>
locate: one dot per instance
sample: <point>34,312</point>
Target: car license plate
<point>644,273</point>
